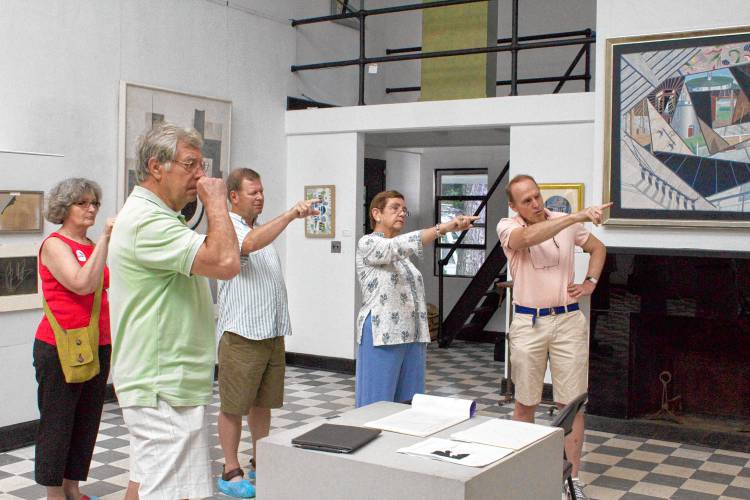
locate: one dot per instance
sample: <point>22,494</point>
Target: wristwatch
<point>592,279</point>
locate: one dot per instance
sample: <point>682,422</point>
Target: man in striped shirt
<point>253,320</point>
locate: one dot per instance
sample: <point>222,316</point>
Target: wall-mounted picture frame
<point>21,211</point>
<point>677,129</point>
<point>20,286</point>
<point>143,106</point>
<point>323,225</point>
<point>565,198</point>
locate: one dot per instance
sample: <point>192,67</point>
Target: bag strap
<point>96,308</point>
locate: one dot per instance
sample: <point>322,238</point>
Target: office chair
<point>564,421</point>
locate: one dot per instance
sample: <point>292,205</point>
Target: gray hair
<point>67,192</point>
<point>161,143</point>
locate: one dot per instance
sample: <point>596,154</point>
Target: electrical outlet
<point>335,247</point>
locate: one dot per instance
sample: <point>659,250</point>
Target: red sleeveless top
<point>71,310</point>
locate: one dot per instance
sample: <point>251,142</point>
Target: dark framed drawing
<point>677,129</point>
<point>21,211</point>
<point>20,287</point>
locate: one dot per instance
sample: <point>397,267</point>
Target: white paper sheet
<point>469,454</point>
<point>428,415</point>
<point>504,433</point>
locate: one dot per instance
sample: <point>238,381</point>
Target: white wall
<point>322,285</point>
<point>636,17</point>
<point>63,62</point>
<point>321,149</point>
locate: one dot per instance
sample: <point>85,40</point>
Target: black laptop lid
<point>336,438</point>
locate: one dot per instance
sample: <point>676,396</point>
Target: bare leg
<point>70,487</point>
<point>524,413</point>
<point>230,430</point>
<point>55,493</point>
<point>574,442</point>
<point>132,491</point>
<point>259,421</point>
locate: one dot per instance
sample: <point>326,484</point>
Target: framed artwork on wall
<point>142,107</point>
<point>323,225</point>
<point>565,198</point>
<point>21,211</point>
<point>20,287</point>
<point>677,129</point>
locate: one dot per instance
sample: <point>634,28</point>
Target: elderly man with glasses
<point>162,314</point>
<point>547,322</point>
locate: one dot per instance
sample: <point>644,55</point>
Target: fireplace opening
<point>670,341</point>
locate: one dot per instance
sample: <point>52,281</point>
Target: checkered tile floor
<point>614,466</point>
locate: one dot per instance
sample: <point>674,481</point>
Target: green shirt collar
<point>148,195</point>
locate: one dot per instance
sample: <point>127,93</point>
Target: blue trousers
<point>388,372</point>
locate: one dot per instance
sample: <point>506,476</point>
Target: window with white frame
<point>460,191</point>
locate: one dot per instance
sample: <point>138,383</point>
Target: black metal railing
<point>514,45</point>
<point>442,262</point>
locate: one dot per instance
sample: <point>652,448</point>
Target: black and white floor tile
<point>614,466</point>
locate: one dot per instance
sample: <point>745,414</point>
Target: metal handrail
<point>513,45</point>
<point>454,247</point>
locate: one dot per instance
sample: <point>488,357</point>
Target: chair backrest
<point>564,419</point>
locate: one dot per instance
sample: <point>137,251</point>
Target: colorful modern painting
<point>677,129</point>
<point>565,198</point>
<point>324,224</point>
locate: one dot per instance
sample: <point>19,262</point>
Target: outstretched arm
<point>542,231</point>
<point>265,234</point>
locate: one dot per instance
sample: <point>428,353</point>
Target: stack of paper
<point>504,433</point>
<point>427,415</point>
<point>470,454</point>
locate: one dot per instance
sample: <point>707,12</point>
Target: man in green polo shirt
<point>162,314</point>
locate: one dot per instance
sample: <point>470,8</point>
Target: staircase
<point>481,298</point>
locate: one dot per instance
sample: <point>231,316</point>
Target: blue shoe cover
<point>236,489</point>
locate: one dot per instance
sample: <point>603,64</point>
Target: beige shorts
<point>169,451</point>
<point>251,373</point>
<point>564,340</point>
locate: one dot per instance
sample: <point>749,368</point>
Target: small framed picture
<point>21,211</point>
<point>565,198</point>
<point>324,224</point>
<point>20,287</point>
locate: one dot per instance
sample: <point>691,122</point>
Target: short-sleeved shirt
<point>254,303</point>
<point>541,273</point>
<point>163,343</point>
<point>392,289</point>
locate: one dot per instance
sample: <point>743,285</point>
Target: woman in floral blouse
<point>392,329</point>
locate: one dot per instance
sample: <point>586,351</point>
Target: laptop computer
<point>335,438</point>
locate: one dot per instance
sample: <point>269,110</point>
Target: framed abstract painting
<point>324,224</point>
<point>677,129</point>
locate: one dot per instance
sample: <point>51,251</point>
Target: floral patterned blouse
<point>392,289</point>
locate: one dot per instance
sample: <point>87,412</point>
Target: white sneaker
<point>578,489</point>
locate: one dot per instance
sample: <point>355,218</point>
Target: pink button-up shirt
<point>541,273</point>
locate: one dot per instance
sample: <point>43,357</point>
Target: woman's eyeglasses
<point>86,204</point>
<point>398,209</point>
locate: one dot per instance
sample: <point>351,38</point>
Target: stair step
<point>483,309</point>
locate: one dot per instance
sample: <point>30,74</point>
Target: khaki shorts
<point>564,340</point>
<point>251,373</point>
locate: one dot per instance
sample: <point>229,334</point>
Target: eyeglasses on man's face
<point>85,204</point>
<point>192,164</point>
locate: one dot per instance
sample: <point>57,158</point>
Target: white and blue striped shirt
<point>254,304</point>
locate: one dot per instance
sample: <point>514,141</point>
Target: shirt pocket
<point>545,254</point>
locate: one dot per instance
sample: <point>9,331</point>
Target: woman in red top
<point>71,267</point>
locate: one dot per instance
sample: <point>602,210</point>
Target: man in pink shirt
<point>547,322</point>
